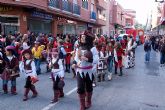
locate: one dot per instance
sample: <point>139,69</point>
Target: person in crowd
<point>18,49</point>
<point>13,40</point>
<point>130,50</point>
<point>61,50</point>
<point>147,48</point>
<point>50,38</point>
<point>2,40</point>
<point>84,70</point>
<point>156,44</point>
<point>68,49</point>
<point>37,53</point>
<point>46,53</point>
<point>57,75</point>
<point>124,42</point>
<point>2,61</point>
<point>25,42</point>
<point>75,58</point>
<point>95,53</point>
<point>153,42</point>
<point>8,40</point>
<point>110,52</point>
<point>118,53</point>
<point>11,70</point>
<point>100,65</point>
<point>162,52</point>
<point>55,44</point>
<point>103,56</point>
<point>31,38</point>
<point>28,68</point>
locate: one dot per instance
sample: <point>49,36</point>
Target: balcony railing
<point>102,17</point>
<point>101,4</point>
<point>65,6</point>
<point>54,3</point>
<point>93,15</point>
<point>76,9</point>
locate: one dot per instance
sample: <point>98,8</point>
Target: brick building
<point>158,21</point>
<point>129,18</point>
<point>116,18</point>
<point>55,16</point>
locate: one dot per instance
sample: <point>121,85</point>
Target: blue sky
<point>142,8</point>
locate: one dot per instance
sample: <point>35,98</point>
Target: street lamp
<point>160,1</point>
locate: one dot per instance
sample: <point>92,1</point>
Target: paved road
<point>141,88</point>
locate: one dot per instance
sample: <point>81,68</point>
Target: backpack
<point>61,54</point>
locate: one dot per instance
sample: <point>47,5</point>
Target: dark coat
<point>12,65</point>
<point>2,65</point>
<point>147,45</point>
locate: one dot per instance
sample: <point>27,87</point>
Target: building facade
<point>51,16</point>
<point>158,19</point>
<point>117,18</point>
<point>129,18</point>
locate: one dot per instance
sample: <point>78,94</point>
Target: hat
<point>10,48</point>
<point>27,51</point>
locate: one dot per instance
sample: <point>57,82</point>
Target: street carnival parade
<point>81,54</point>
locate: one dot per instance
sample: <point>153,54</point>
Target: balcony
<point>54,4</point>
<point>93,15</point>
<point>67,6</point>
<point>101,4</point>
<point>76,9</point>
<point>102,17</point>
<point>39,4</point>
<point>64,6</point>
<point>101,20</point>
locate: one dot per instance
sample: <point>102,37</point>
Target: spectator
<point>162,51</point>
<point>36,51</point>
<point>147,48</point>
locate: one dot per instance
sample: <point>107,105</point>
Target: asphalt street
<point>141,88</point>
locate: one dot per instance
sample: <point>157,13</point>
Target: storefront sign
<point>41,15</point>
<point>5,8</point>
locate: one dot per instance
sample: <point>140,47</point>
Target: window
<point>92,7</point>
<point>99,11</point>
<point>85,4</point>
